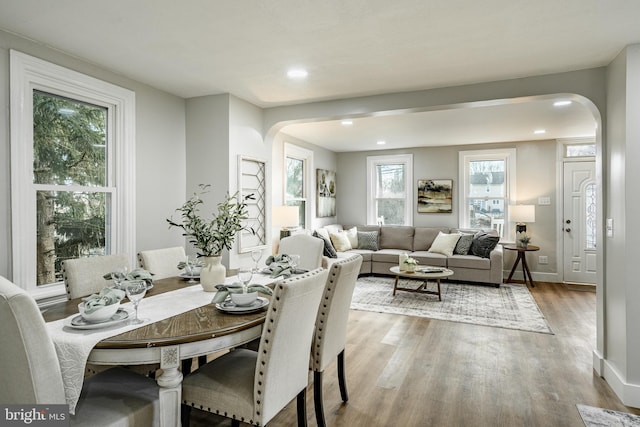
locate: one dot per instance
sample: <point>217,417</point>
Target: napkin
<point>237,288</point>
<point>279,265</point>
<point>107,296</point>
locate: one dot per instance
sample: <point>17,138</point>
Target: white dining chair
<point>251,386</point>
<point>84,276</point>
<point>308,247</point>
<point>162,263</point>
<point>30,372</point>
<point>330,335</point>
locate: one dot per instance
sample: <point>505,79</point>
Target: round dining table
<point>194,333</point>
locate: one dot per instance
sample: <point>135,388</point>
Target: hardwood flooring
<point>409,371</point>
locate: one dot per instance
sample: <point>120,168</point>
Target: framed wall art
<point>252,180</point>
<point>325,193</point>
<point>435,195</point>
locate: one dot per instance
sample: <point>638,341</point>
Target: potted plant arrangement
<point>410,264</point>
<point>523,240</point>
<point>211,236</point>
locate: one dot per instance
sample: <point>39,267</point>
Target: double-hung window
<point>72,169</point>
<point>390,189</point>
<point>297,180</point>
<point>488,185</point>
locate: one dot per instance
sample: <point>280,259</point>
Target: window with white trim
<point>298,179</point>
<point>72,170</point>
<point>488,185</point>
<point>390,189</point>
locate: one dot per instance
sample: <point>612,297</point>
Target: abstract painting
<point>435,195</point>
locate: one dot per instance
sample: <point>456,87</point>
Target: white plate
<point>230,307</point>
<point>149,286</point>
<point>77,321</point>
<point>186,276</point>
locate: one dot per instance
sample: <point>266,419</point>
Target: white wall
<point>160,149</point>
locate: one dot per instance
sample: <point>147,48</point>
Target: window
<point>298,170</point>
<point>488,184</point>
<point>73,181</point>
<point>390,189</point>
<point>580,150</point>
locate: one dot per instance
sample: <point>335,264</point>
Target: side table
<point>522,258</point>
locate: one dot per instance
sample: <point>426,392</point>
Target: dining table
<point>189,326</point>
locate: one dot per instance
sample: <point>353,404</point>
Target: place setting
<point>241,297</point>
<point>191,269</point>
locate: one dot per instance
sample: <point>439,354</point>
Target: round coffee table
<point>420,274</point>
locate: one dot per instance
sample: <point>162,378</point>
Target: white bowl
<point>100,315</point>
<point>244,299</point>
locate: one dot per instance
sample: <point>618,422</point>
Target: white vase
<point>213,273</point>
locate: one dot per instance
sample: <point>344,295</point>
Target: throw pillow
<point>444,243</point>
<point>483,243</point>
<point>352,235</point>
<point>340,241</point>
<point>329,250</point>
<point>323,232</point>
<point>464,244</point>
<point>368,240</point>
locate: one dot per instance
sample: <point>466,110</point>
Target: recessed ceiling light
<point>539,131</point>
<point>561,103</point>
<point>297,73</point>
<point>381,142</point>
<point>347,122</point>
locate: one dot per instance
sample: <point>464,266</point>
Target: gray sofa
<point>416,241</point>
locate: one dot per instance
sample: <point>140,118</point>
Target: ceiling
<point>350,48</point>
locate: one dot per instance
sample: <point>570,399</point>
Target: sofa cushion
<point>333,228</point>
<point>426,258</point>
<point>391,256</point>
<point>368,240</point>
<point>364,253</point>
<point>396,237</point>
<point>329,250</point>
<point>423,237</point>
<point>444,243</point>
<point>483,243</point>
<point>464,244</point>
<point>469,261</point>
<point>340,241</point>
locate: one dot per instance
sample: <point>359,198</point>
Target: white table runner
<point>73,346</point>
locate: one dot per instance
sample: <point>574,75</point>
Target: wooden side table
<point>522,258</point>
<point>419,274</point>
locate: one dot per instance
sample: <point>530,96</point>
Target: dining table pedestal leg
<point>170,383</point>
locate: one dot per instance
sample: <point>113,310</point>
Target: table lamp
<point>521,214</point>
<point>285,217</point>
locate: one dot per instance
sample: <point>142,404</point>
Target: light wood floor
<point>409,371</point>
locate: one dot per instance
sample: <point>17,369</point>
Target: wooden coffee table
<point>419,274</point>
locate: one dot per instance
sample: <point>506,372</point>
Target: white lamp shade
<point>285,216</point>
<point>522,213</point>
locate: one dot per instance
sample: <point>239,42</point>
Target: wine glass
<point>295,261</point>
<point>135,289</point>
<point>189,269</point>
<point>119,275</point>
<point>256,254</point>
<point>245,274</point>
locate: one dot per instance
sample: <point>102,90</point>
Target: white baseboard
<point>537,276</point>
<point>628,393</point>
<point>598,362</point>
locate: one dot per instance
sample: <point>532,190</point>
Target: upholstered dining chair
<point>251,386</point>
<point>330,335</point>
<point>162,263</point>
<point>308,247</point>
<point>84,276</point>
<point>30,372</point>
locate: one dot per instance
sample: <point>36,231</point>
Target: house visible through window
<point>73,180</point>
<point>488,184</point>
<point>390,189</point>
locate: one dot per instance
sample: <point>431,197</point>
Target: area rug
<point>510,306</point>
<point>598,417</point>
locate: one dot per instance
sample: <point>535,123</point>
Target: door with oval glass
<point>579,222</point>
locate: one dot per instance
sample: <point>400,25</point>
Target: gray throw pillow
<point>368,240</point>
<point>329,250</point>
<point>463,245</point>
<point>483,243</point>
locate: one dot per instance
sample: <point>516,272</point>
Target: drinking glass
<point>119,275</point>
<point>295,261</point>
<point>245,274</point>
<point>135,289</point>
<point>256,254</point>
<point>189,269</point>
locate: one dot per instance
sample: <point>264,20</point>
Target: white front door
<point>579,222</point>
